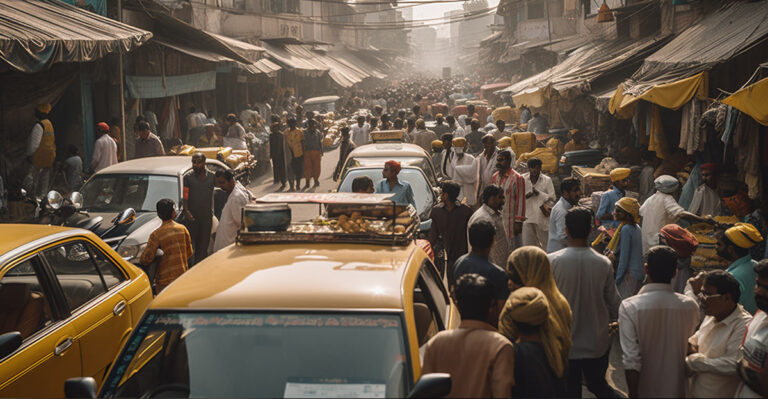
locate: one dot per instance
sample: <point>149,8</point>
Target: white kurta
<point>230,217</point>
<point>485,170</point>
<point>657,211</point>
<point>463,170</point>
<point>705,201</point>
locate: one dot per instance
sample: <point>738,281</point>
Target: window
<point>200,354</point>
<point>24,307</point>
<point>76,271</point>
<point>430,304</point>
<point>536,9</point>
<point>284,6</point>
<point>111,273</point>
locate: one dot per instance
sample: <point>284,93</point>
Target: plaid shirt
<point>173,239</point>
<point>513,185</point>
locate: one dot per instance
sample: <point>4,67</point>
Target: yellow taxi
<point>67,304</point>
<point>337,306</point>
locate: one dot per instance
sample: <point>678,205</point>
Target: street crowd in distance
<point>542,282</point>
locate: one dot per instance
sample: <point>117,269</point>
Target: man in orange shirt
<point>173,238</point>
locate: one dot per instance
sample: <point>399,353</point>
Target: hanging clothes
<point>657,141</point>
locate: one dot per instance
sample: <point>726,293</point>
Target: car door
<point>50,350</point>
<point>97,311</point>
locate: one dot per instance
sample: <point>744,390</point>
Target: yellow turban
<point>505,142</point>
<point>630,206</point>
<point>620,174</point>
<point>744,235</point>
<point>44,108</point>
<point>437,144</point>
<point>523,126</point>
<point>459,142</point>
<point>438,116</point>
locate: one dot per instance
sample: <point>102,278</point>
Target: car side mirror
<point>128,216</point>
<point>80,387</point>
<point>9,342</point>
<point>433,385</point>
<point>159,253</point>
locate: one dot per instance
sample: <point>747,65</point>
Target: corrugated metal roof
<point>34,34</point>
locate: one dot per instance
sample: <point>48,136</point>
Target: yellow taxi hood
<point>294,276</point>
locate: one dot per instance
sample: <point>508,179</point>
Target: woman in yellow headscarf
<point>626,248</point>
<point>529,267</point>
<point>527,312</point>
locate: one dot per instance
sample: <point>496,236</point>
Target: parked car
<point>67,304</point>
<point>295,309</point>
<point>136,184</point>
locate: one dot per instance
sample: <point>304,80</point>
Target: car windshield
<point>257,355</point>
<point>422,191</point>
<point>419,162</point>
<point>116,192</point>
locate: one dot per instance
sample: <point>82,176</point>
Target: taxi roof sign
<point>387,135</point>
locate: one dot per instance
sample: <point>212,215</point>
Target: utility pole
<point>549,23</point>
<point>122,89</point>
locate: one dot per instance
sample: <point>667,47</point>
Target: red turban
<point>102,127</point>
<point>680,239</point>
<point>393,166</point>
<point>709,167</point>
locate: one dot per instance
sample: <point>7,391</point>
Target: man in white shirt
<point>655,326</point>
<point>571,191</point>
<point>422,136</point>
<point>539,199</point>
<point>585,278</point>
<point>486,164</point>
<point>706,200</point>
<point>714,349</point>
<point>753,366</point>
<point>661,209</point>
<point>361,133</point>
<point>104,149</point>
<point>461,168</point>
<point>229,222</point>
<point>453,127</point>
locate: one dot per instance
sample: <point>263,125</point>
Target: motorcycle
<point>57,210</point>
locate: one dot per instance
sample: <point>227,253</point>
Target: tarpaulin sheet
<point>37,33</point>
<point>752,100</point>
<point>295,56</point>
<point>578,71</point>
<point>159,87</point>
<point>672,95</point>
<point>724,34</point>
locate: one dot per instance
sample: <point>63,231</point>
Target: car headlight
<point>129,252</point>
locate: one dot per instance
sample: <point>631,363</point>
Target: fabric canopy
<point>575,75</point>
<point>295,56</point>
<point>724,34</point>
<point>34,34</point>
<point>672,95</point>
<point>159,86</point>
<point>752,100</point>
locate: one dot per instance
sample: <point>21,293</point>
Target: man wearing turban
<point>402,193</point>
<point>462,169</point>
<point>706,200</point>
<point>661,209</point>
<point>734,246</point>
<point>626,248</point>
<point>685,244</point>
<point>620,180</point>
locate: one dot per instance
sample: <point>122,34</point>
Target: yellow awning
<point>668,95</point>
<point>534,97</point>
<point>752,100</point>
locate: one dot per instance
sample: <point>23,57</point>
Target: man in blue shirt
<point>481,235</point>
<point>401,190</point>
<point>734,246</point>
<point>620,180</point>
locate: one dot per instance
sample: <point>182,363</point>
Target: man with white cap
<point>620,180</point>
<point>661,209</point>
<point>462,169</point>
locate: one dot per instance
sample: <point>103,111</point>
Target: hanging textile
<point>657,141</point>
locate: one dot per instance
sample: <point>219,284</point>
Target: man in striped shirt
<point>513,185</point>
<point>173,238</point>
